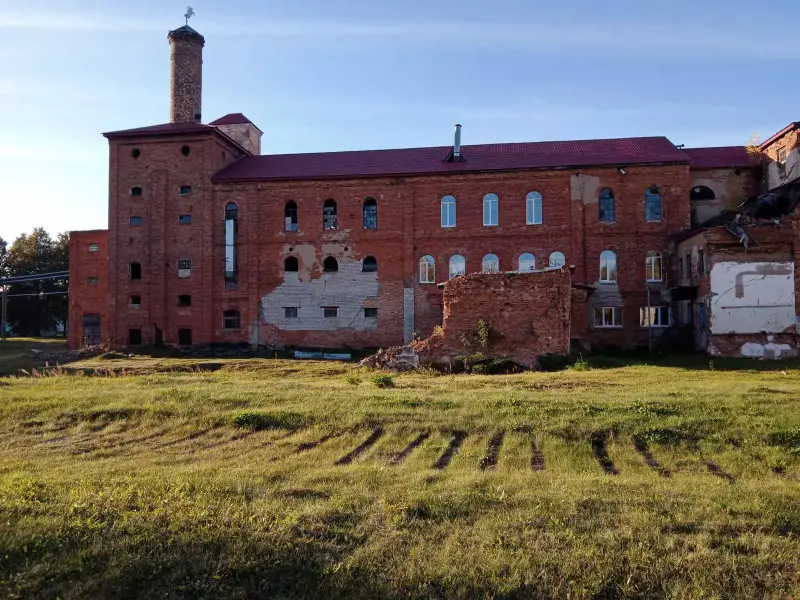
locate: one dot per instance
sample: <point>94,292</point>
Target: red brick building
<point>210,242</point>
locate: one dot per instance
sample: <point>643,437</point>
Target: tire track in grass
<point>600,451</point>
<point>712,467</point>
<point>642,448</point>
<point>306,446</point>
<point>363,447</point>
<point>416,443</point>
<point>185,438</point>
<point>489,461</point>
<point>537,457</point>
<point>452,449</point>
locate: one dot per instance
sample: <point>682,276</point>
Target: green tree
<point>33,308</point>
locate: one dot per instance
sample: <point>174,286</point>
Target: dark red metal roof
<point>485,157</point>
<point>163,129</point>
<point>232,119</point>
<point>719,157</point>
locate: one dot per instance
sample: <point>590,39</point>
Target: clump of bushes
<point>383,381</point>
<point>258,421</point>
<point>789,439</point>
<point>351,379</point>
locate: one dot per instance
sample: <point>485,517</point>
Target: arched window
<point>458,265</point>
<point>490,264</point>
<point>527,262</point>
<point>290,216</point>
<point>652,205</point>
<point>291,264</point>
<point>448,211</point>
<point>490,209</point>
<point>608,266</point>
<point>370,265</point>
<point>330,265</point>
<point>329,215</point>
<point>653,266</point>
<point>702,192</point>
<point>370,214</point>
<point>557,259</point>
<point>427,269</point>
<point>533,209</point>
<point>231,211</point>
<point>606,203</point>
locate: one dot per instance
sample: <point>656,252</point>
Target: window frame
<point>781,155</point>
<point>532,200</point>
<point>291,217</point>
<point>532,261</point>
<point>649,199</point>
<point>429,270</point>
<point>135,301</point>
<point>286,310</point>
<point>136,221</point>
<point>184,190</point>
<point>660,311</point>
<point>367,261</point>
<point>462,262</point>
<point>330,215</point>
<point>448,207</point>
<point>616,323</point>
<point>371,309</point>
<point>492,201</point>
<point>605,197</point>
<point>550,264</point>
<point>185,219</point>
<point>493,259</point>
<point>605,257</point>
<point>93,247</point>
<point>652,258</point>
<point>329,261</point>
<point>231,315</point>
<point>327,314</point>
<point>184,268</point>
<point>372,205</point>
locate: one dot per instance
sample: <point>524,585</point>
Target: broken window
<point>608,316</point>
<point>701,263</point>
<point>330,312</point>
<point>230,319</point>
<point>184,300</point>
<point>490,264</point>
<point>427,269</point>
<point>184,219</point>
<point>654,316</point>
<point>557,259</point>
<point>527,262</point>
<point>185,190</point>
<point>93,247</point>
<point>134,337</point>
<point>290,216</point>
<point>701,192</point>
<point>689,266</point>
<point>184,269</point>
<point>291,264</point>
<point>490,209</point>
<point>652,202</point>
<point>136,301</point>
<point>370,265</point>
<point>290,312</point>
<point>448,211</point>
<point>533,209</point>
<point>185,337</point>
<point>135,270</point>
<point>370,313</point>
<point>136,221</point>
<point>330,265</point>
<point>136,191</point>
<point>606,204</point>
<point>370,214</point>
<point>608,266</point>
<point>329,215</point>
<point>458,265</point>
<point>653,266</point>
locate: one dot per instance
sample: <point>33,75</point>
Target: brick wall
<point>88,283</point>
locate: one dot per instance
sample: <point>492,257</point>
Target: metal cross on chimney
<point>189,14</point>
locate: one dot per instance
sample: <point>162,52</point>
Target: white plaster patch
<point>752,297</point>
<point>769,350</point>
<point>349,289</point>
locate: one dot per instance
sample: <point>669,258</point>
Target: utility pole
<point>4,303</point>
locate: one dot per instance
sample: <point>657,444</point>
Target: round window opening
<point>186,150</point>
<point>136,153</point>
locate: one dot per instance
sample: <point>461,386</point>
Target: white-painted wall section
<point>752,297</point>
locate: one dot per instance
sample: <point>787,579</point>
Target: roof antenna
<point>457,144</point>
<point>189,14</point>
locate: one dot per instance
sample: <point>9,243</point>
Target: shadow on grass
<point>694,362</point>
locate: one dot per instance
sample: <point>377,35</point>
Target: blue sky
<point>319,75</point>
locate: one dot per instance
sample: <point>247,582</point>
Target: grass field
<point>280,479</point>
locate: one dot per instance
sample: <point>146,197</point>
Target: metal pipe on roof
<point>457,143</point>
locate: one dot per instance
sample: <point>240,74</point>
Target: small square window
<point>231,319</point>
<point>330,312</point>
<point>136,301</point>
<point>134,337</point>
<point>185,219</point>
<point>184,269</point>
<point>136,191</point>
<point>370,313</point>
<point>92,281</point>
<point>184,300</point>
<point>136,221</point>
<point>93,247</point>
<point>290,312</point>
<point>185,190</point>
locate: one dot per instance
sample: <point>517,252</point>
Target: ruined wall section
<point>247,135</point>
<point>780,172</point>
<point>731,187</point>
<point>88,283</point>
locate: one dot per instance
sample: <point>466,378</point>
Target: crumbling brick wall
<point>528,314</point>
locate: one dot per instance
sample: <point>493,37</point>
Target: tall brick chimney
<point>186,73</point>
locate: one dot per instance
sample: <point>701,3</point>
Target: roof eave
<point>775,137</point>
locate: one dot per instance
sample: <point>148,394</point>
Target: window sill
<point>654,281</point>
<point>448,226</point>
<point>608,327</point>
<point>427,283</point>
<point>608,282</point>
<point>655,326</point>
<point>532,224</point>
<point>494,225</point>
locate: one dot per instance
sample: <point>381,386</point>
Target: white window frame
<point>462,264</point>
<point>531,262</point>
<point>184,271</point>
<point>491,218</point>
<point>448,205</point>
<point>653,257</point>
<point>427,269</point>
<point>603,324</point>
<point>560,255</point>
<point>646,314</point>
<point>605,261</point>
<point>533,208</point>
<point>782,155</point>
<point>493,260</point>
